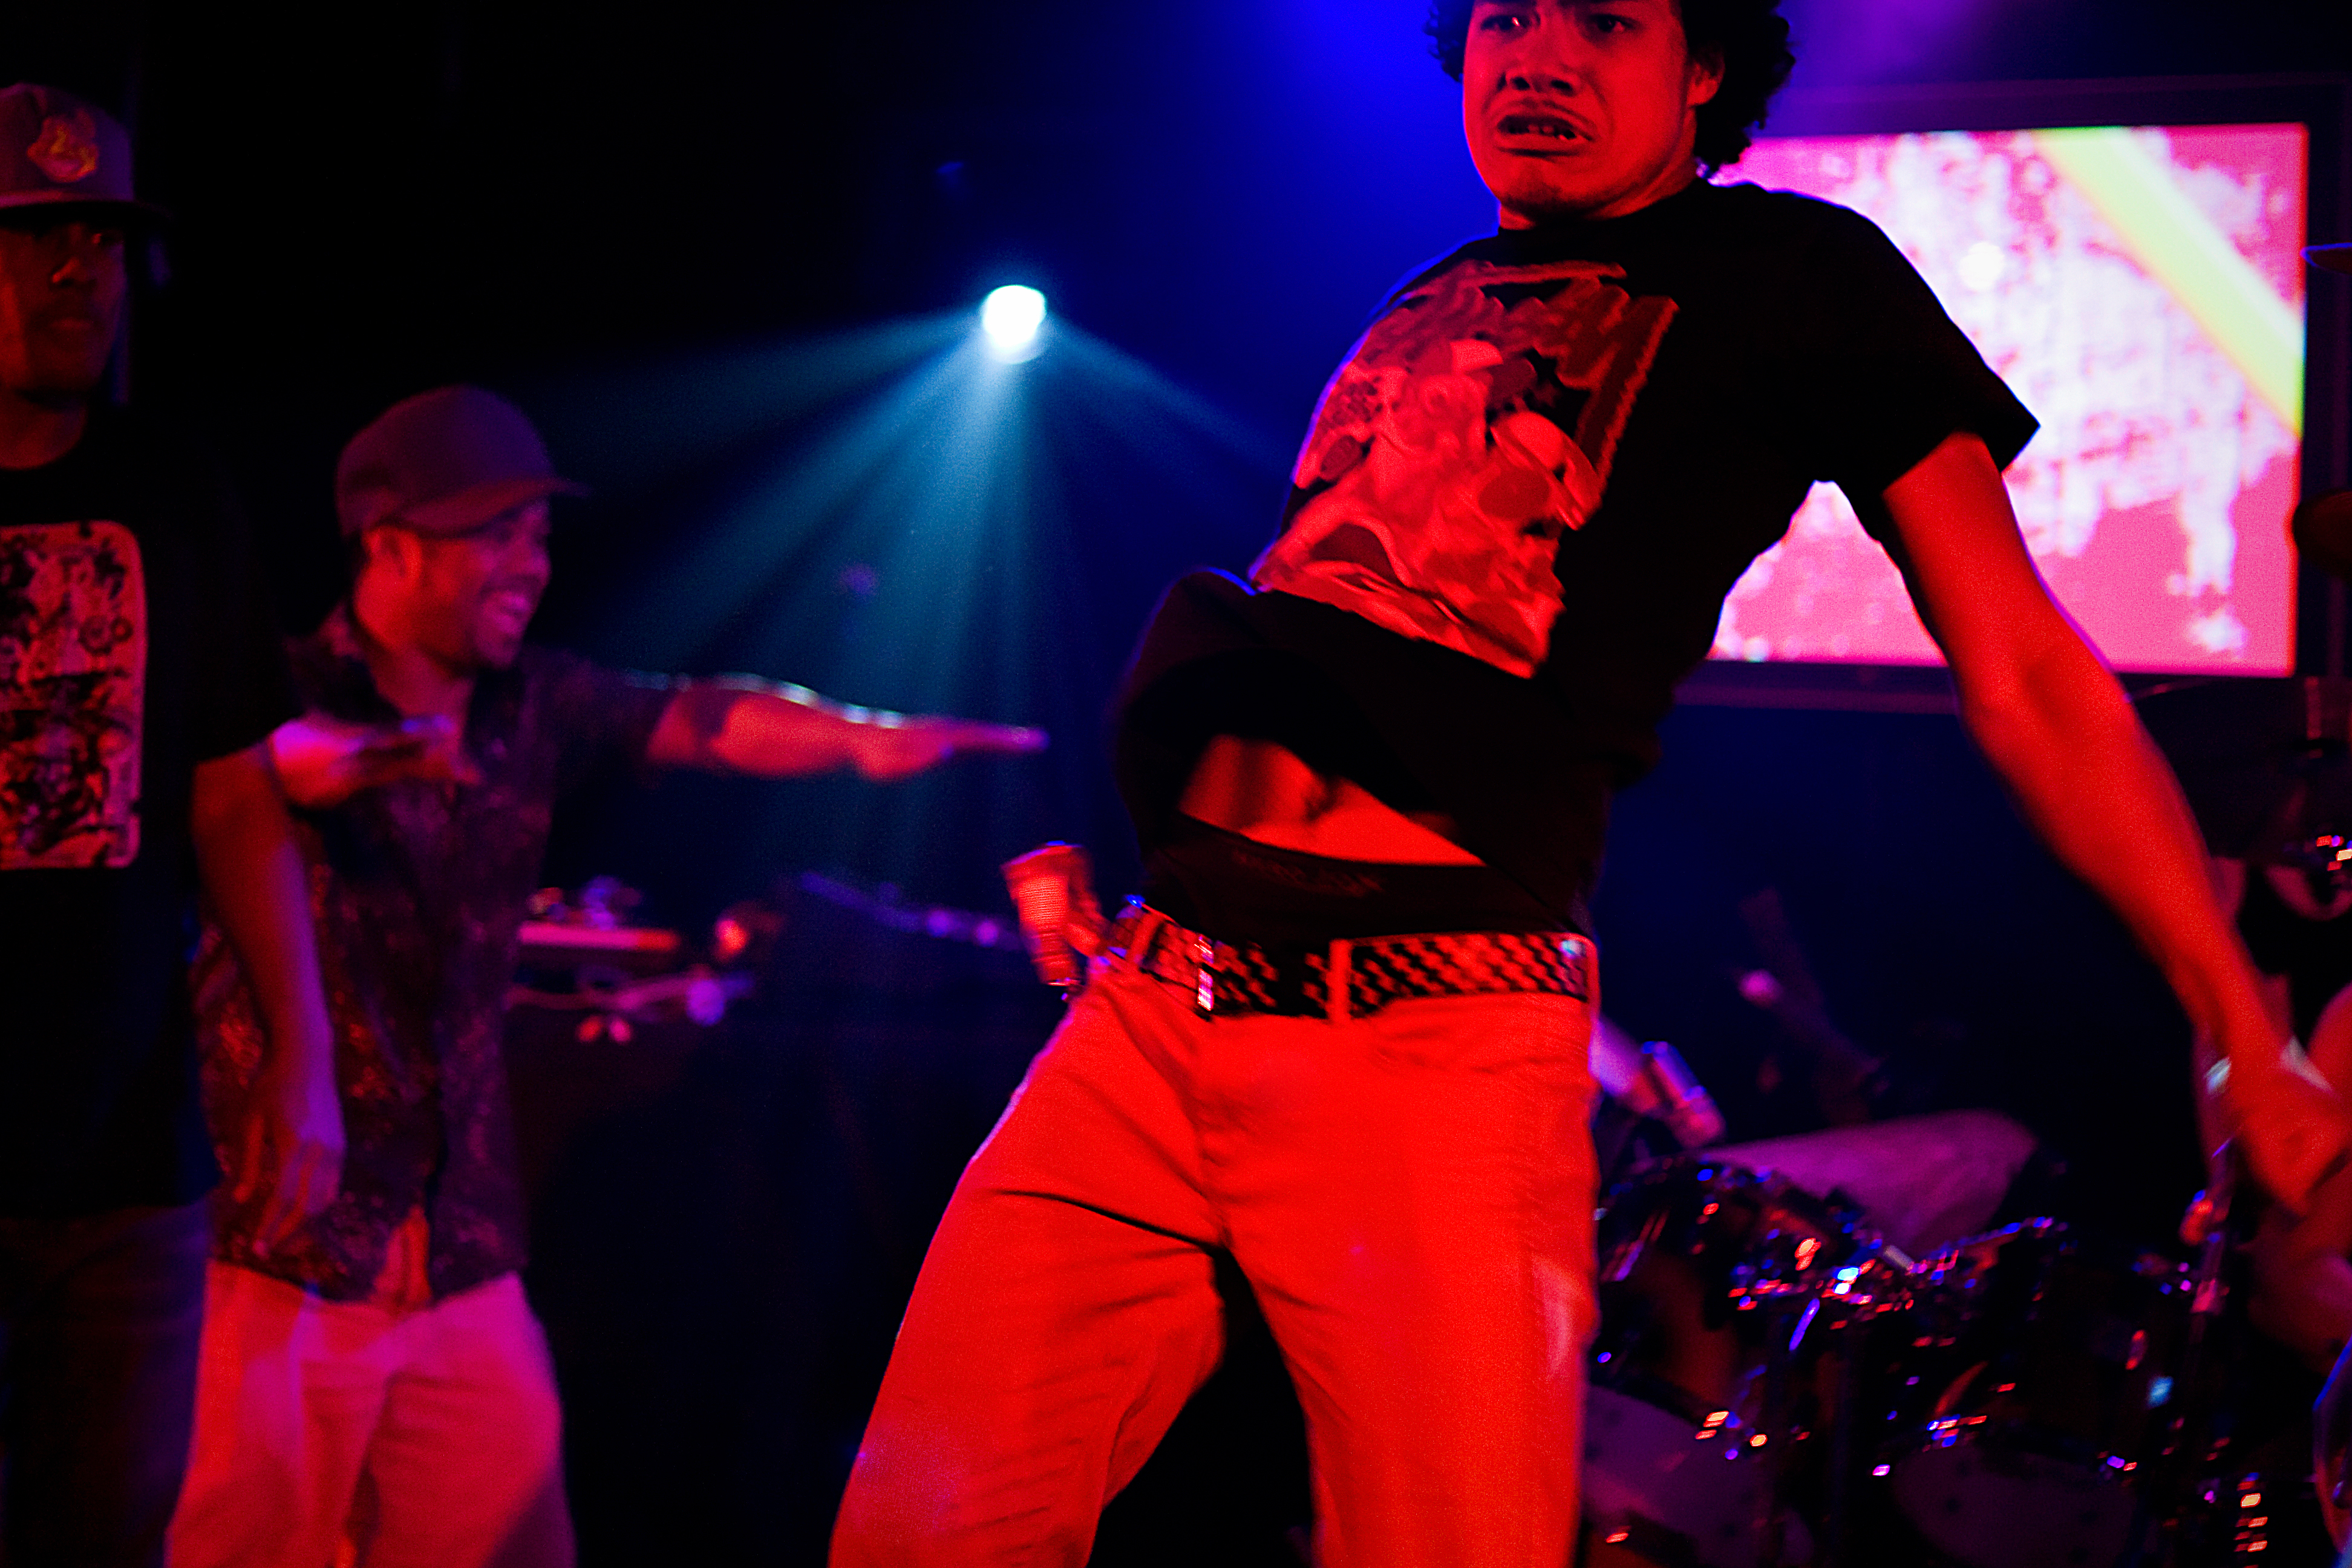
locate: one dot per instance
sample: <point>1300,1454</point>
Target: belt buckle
<point>1204,974</point>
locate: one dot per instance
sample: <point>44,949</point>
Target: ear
<point>1706,78</point>
<point>388,549</point>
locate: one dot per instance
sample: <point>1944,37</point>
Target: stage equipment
<point>1731,1302</point>
<point>2267,767</point>
<point>2029,1390</point>
<point>1924,1182</point>
<point>1776,1382</point>
<point>2076,233</point>
<point>1013,320</point>
<point>580,955</point>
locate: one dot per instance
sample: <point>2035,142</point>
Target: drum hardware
<point>1730,1299</point>
<point>621,977</point>
<point>2020,1398</point>
<point>1774,1383</point>
<point>591,927</point>
<point>886,905</point>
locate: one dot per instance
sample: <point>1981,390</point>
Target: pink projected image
<point>2142,292</point>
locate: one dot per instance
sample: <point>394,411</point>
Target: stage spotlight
<point>1013,318</point>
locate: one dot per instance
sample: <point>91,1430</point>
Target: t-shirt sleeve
<point>602,719</point>
<point>243,688</point>
<point>1881,375</point>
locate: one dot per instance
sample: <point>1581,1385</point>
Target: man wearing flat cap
<point>140,675</point>
<point>438,746</point>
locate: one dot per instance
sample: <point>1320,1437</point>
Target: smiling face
<point>467,600</point>
<point>62,284</point>
<point>1581,108</point>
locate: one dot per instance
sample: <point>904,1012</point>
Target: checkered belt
<point>1225,978</point>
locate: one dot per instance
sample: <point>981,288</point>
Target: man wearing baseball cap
<point>438,745</point>
<point>139,677</point>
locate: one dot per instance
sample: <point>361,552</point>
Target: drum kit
<point>1858,1371</point>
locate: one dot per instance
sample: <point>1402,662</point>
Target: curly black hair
<point>1749,37</point>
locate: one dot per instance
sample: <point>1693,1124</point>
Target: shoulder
<point>1435,267</point>
<point>543,671</point>
<point>559,675</point>
<point>1812,257</point>
<point>1786,218</point>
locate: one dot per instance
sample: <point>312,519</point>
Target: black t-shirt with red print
<point>135,642</point>
<point>1524,498</point>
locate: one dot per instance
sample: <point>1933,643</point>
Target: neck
<point>1677,178</point>
<point>406,674</point>
<point>36,431</point>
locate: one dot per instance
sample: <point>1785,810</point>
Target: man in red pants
<point>1511,529</point>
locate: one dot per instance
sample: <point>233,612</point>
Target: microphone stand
<point>2168,1496</point>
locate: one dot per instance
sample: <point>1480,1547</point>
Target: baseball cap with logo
<point>57,150</point>
<point>444,462</point>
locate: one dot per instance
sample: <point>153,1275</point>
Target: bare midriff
<point>1262,791</point>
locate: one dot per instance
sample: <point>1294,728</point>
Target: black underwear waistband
<point>1237,889</point>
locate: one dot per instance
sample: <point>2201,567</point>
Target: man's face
<point>471,597</point>
<point>61,290</point>
<point>1580,108</point>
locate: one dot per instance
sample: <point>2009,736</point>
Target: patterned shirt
<point>419,891</point>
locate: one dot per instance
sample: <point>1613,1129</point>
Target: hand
<point>322,761</point>
<point>293,1147</point>
<point>2290,1126</point>
<point>890,749</point>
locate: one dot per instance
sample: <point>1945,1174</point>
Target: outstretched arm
<point>2058,729</point>
<point>253,875</point>
<point>738,724</point>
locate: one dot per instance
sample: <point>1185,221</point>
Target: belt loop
<point>1338,976</point>
<point>1204,979</point>
<point>1135,934</point>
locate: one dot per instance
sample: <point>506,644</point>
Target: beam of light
<point>628,430</point>
<point>1013,319</point>
<point>946,539</point>
<point>779,525</point>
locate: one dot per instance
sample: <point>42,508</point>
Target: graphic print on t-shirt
<point>73,686</point>
<point>1473,427</point>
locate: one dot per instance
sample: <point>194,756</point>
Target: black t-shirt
<point>135,643</point>
<point>1525,496</point>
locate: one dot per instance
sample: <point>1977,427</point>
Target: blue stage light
<point>1014,319</point>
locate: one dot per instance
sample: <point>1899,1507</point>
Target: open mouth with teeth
<point>1540,127</point>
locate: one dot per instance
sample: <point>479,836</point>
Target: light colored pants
<point>385,1434</point>
<point>1411,1196</point>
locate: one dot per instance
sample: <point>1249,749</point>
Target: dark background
<point>718,250</point>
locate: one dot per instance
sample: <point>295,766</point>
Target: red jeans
<point>1411,1196</point>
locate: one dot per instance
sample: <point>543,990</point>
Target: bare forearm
<point>254,879</point>
<point>769,730</point>
<point>291,1140</point>
<point>2096,790</point>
